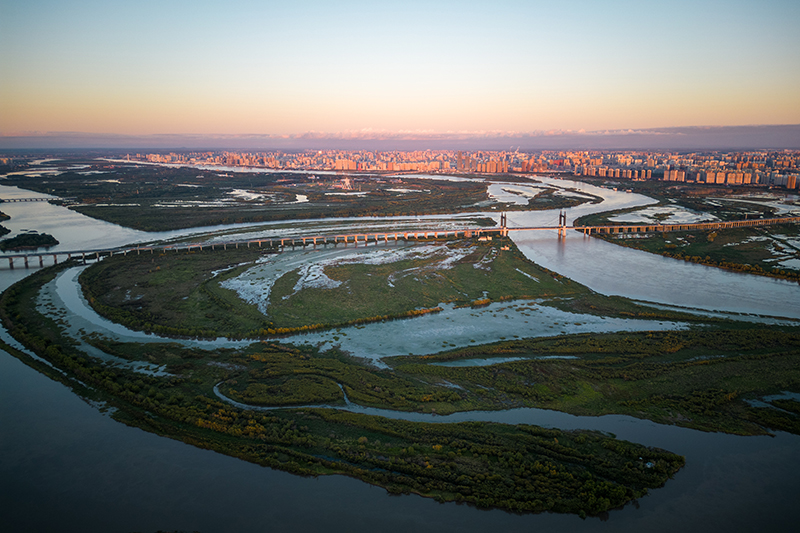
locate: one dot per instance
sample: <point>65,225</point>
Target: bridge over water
<point>277,244</point>
<point>37,199</point>
<point>274,244</point>
<point>653,228</point>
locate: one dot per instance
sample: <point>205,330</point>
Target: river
<point>67,466</point>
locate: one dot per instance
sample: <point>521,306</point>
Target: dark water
<point>65,466</point>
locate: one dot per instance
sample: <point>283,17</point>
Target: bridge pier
<point>41,261</point>
<point>55,259</point>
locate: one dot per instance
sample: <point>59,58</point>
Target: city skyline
<point>391,70</point>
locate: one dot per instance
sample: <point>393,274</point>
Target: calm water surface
<point>66,466</point>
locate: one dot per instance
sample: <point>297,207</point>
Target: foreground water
<point>90,473</point>
<point>66,466</point>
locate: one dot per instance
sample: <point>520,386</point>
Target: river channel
<point>67,466</point>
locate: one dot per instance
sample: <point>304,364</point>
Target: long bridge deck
<point>653,228</point>
<point>37,199</point>
<point>33,259</point>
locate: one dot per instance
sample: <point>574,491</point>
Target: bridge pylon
<point>503,225</point>
<point>562,224</point>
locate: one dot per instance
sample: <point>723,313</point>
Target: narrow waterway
<point>61,454</point>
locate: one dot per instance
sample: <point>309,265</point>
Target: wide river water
<point>67,466</point>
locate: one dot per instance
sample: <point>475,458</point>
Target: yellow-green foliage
<point>177,294</point>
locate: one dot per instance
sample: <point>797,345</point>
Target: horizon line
<point>759,136</point>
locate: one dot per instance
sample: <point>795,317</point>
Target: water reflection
<point>489,361</point>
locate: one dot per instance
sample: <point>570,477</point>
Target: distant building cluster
<point>729,168</point>
<point>482,162</point>
<point>761,168</point>
<point>356,161</point>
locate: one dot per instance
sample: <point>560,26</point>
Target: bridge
<point>273,244</point>
<point>278,244</point>
<point>700,226</point>
<point>37,199</point>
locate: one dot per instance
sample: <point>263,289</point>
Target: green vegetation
<point>28,241</point>
<point>519,468</point>
<point>154,292</point>
<point>4,230</point>
<point>396,288</point>
<point>699,379</point>
<point>158,198</point>
<point>181,293</point>
<point>173,293</point>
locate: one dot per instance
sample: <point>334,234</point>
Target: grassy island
<point>167,293</point>
<point>4,230</point>
<point>28,241</point>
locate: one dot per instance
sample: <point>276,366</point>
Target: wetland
<point>669,366</point>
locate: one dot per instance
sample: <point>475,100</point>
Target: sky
<point>369,68</point>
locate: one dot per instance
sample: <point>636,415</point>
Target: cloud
<point>683,138</point>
